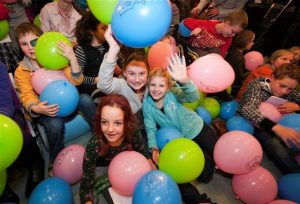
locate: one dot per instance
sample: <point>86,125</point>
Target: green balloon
<point>4,29</point>
<point>229,90</point>
<point>201,99</point>
<point>182,159</point>
<point>146,49</point>
<point>11,141</point>
<point>298,88</point>
<point>103,9</point>
<point>3,179</point>
<point>47,53</point>
<point>37,21</point>
<point>212,105</point>
<point>191,105</point>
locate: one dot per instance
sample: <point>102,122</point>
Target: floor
<point>219,189</point>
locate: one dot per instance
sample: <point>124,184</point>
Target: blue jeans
<point>55,126</point>
<point>277,151</point>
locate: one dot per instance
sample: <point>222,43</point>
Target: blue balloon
<point>228,109</point>
<point>75,128</point>
<point>52,191</point>
<point>183,30</point>
<point>141,23</point>
<point>289,186</point>
<point>291,120</point>
<point>82,4</point>
<point>239,123</point>
<point>165,135</point>
<point>204,114</point>
<point>62,93</point>
<point>156,187</point>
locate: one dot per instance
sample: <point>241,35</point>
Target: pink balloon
<point>211,73</point>
<point>269,111</point>
<point>253,59</point>
<point>257,186</point>
<point>281,202</point>
<point>68,163</point>
<point>42,77</point>
<point>237,152</point>
<point>125,170</point>
<point>158,54</point>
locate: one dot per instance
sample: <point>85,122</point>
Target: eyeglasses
<point>33,42</point>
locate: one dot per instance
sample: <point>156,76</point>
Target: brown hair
<point>137,56</point>
<point>242,39</point>
<point>239,18</point>
<point>159,72</point>
<point>84,28</point>
<point>291,71</point>
<point>278,53</point>
<point>115,100</point>
<point>26,28</point>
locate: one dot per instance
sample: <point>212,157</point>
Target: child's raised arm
<point>114,47</point>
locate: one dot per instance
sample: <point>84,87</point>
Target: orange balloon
<point>158,54</point>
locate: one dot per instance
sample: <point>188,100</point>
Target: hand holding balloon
<point>114,47</point>
<point>288,107</point>
<point>67,51</point>
<point>43,108</point>
<point>177,69</point>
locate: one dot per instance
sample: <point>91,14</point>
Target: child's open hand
<point>43,108</point>
<point>177,69</point>
<point>113,44</point>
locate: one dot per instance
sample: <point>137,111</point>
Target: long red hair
<point>115,100</point>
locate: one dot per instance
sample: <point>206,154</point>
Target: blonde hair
<point>163,73</point>
<point>292,49</point>
<point>278,53</point>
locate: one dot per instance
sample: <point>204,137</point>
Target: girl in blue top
<point>163,108</point>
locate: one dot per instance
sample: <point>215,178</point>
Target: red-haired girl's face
<point>112,124</point>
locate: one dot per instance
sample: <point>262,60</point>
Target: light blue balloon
<point>62,93</point>
<point>183,30</point>
<point>228,109</point>
<point>239,123</point>
<point>156,187</point>
<point>291,120</point>
<point>75,128</point>
<point>204,114</point>
<point>141,23</point>
<point>52,191</point>
<point>165,135</point>
<point>289,186</point>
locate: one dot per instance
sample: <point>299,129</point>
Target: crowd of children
<point>125,102</point>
